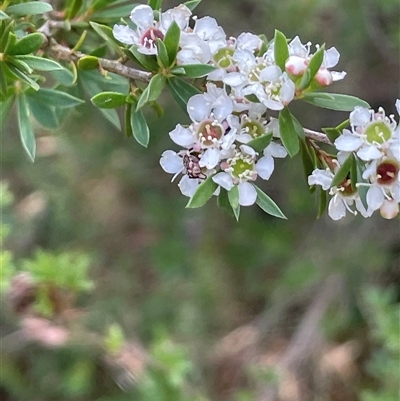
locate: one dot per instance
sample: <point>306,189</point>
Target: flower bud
<point>389,209</point>
<point>296,65</point>
<point>324,77</point>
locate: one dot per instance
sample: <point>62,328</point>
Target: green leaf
<point>323,201</point>
<point>28,44</point>
<point>203,193</point>
<point>5,108</point>
<point>331,133</point>
<point>25,128</point>
<point>233,196</point>
<point>30,8</point>
<point>109,100</point>
<point>267,204</point>
<point>127,119</point>
<point>155,4</point>
<point>343,171</point>
<point>289,135</point>
<point>106,33</point>
<point>152,91</point>
<point>56,98</point>
<point>264,45</point>
<point>112,13</point>
<point>260,143</point>
<point>43,113</point>
<point>21,65</point>
<point>281,49</point>
<point>307,159</point>
<point>195,70</point>
<point>3,15</point>
<point>192,4</point>
<point>334,101</point>
<point>162,56</point>
<point>171,41</point>
<point>223,201</point>
<point>99,4</point>
<point>181,91</point>
<point>40,63</point>
<point>147,62</point>
<point>312,69</point>
<point>88,63</point>
<point>354,174</point>
<point>362,189</point>
<point>298,128</point>
<point>7,36</point>
<point>64,76</point>
<point>20,75</point>
<point>343,125</point>
<point>73,8</point>
<point>140,129</point>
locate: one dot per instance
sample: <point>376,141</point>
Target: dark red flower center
<point>387,172</point>
<point>150,37</point>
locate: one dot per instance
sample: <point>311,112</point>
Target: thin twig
<point>317,136</point>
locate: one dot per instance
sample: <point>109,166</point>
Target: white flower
<point>147,32</point>
<point>343,196</point>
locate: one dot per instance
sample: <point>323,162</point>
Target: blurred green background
<point>190,304</point>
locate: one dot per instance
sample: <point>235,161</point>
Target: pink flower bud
<point>296,65</point>
<point>389,209</point>
<point>324,77</point>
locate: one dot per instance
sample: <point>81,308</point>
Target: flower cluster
<point>374,140</point>
<point>215,145</point>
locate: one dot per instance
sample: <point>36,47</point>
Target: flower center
<point>387,172</point>
<point>223,57</point>
<point>150,37</point>
<point>191,164</point>
<point>210,132</point>
<point>242,167</point>
<point>253,128</point>
<point>254,74</point>
<point>345,187</point>
<point>378,132</point>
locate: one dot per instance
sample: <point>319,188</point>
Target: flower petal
<point>182,136</point>
<point>210,158</point>
<point>375,197</point>
<point>247,194</point>
<point>224,180</point>
<point>171,162</point>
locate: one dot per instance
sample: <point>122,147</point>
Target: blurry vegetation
<point>189,304</point>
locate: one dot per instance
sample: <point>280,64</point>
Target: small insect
<point>193,169</point>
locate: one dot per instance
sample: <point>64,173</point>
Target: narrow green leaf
<point>112,13</point>
<point>155,4</point>
<point>171,41</point>
<point>3,81</point>
<point>106,33</point>
<point>312,69</point>
<point>323,202</point>
<point>223,201</point>
<point>43,113</point>
<point>88,63</point>
<point>192,4</point>
<point>267,204</point>
<point>281,49</point>
<point>28,44</point>
<point>73,8</point>
<point>181,91</point>
<point>195,70</point>
<point>109,100</point>
<point>63,76</point>
<point>6,36</point>
<point>25,129</point>
<point>5,108</point>
<point>3,15</point>
<point>298,128</point>
<point>162,54</point>
<point>99,4</point>
<point>203,193</point>
<point>140,129</point>
<point>127,119</point>
<point>233,196</point>
<point>331,133</point>
<point>343,125</point>
<point>21,65</point>
<point>260,143</point>
<point>353,174</point>
<point>362,189</point>
<point>20,75</point>
<point>334,101</point>
<point>56,98</point>
<point>308,163</point>
<point>29,8</point>
<point>147,62</point>
<point>236,212</point>
<point>264,45</point>
<point>289,135</point>
<point>152,91</point>
<point>341,174</point>
<point>40,63</point>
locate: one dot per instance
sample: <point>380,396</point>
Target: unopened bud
<point>324,77</point>
<point>389,209</point>
<point>296,65</point>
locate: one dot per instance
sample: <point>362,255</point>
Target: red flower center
<point>387,172</point>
